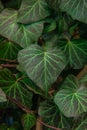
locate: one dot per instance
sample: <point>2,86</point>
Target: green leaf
<point>33,10</point>
<point>22,34</point>
<point>71,99</point>
<point>42,65</point>
<point>1,5</point>
<point>28,121</point>
<point>76,8</point>
<point>75,51</point>
<point>54,4</point>
<point>82,126</point>
<point>2,96</point>
<point>9,50</point>
<point>14,87</point>
<point>3,127</point>
<point>52,116</point>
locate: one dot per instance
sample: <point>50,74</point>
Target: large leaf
<point>76,8</point>
<point>9,50</point>
<point>43,65</point>
<point>14,87</point>
<point>24,35</point>
<point>82,126</point>
<point>28,121</point>
<point>72,98</point>
<point>2,96</point>
<point>33,10</point>
<point>76,52</point>
<point>52,116</point>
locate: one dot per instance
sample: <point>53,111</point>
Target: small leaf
<point>33,10</point>
<point>9,50</point>
<point>76,52</point>
<point>76,8</point>
<point>42,65</point>
<point>22,34</point>
<point>28,121</point>
<point>82,126</point>
<point>14,87</point>
<point>71,99</point>
<point>2,96</point>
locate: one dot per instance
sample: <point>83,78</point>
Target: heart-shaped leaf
<point>33,10</point>
<point>76,8</point>
<point>22,34</point>
<point>14,87</point>
<point>76,52</point>
<point>72,98</point>
<point>42,65</point>
<point>28,121</point>
<point>9,50</point>
<point>2,96</point>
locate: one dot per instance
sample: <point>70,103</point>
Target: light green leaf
<point>52,116</point>
<point>22,34</point>
<point>9,50</point>
<point>76,52</point>
<point>71,99</point>
<point>14,87</point>
<point>33,10</point>
<point>2,96</point>
<point>82,126</point>
<point>28,121</point>
<point>42,65</point>
<point>76,8</point>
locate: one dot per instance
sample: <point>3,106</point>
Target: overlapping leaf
<point>24,35</point>
<point>14,87</point>
<point>28,121</point>
<point>2,96</point>
<point>42,65</point>
<point>52,116</point>
<point>33,10</point>
<point>72,98</point>
<point>76,52</point>
<point>54,4</point>
<point>82,126</point>
<point>9,50</point>
<point>76,8</point>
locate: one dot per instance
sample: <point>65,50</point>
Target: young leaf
<point>72,98</point>
<point>82,126</point>
<point>14,87</point>
<point>24,35</point>
<point>2,96</point>
<point>76,8</point>
<point>42,65</point>
<point>9,50</point>
<point>33,10</point>
<point>76,52</point>
<point>28,121</point>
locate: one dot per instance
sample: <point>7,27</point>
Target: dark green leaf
<point>76,52</point>
<point>9,50</point>
<point>24,35</point>
<point>33,10</point>
<point>14,87</point>
<point>1,6</point>
<point>28,121</point>
<point>2,96</point>
<point>71,99</point>
<point>76,8</point>
<point>82,126</point>
<point>54,4</point>
<point>43,65</point>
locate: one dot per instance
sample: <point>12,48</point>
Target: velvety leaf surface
<point>82,126</point>
<point>14,87</point>
<point>9,50</point>
<point>33,10</point>
<point>24,35</point>
<point>71,99</point>
<point>52,116</point>
<point>76,52</point>
<point>28,121</point>
<point>76,8</point>
<point>42,65</point>
<point>2,96</point>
